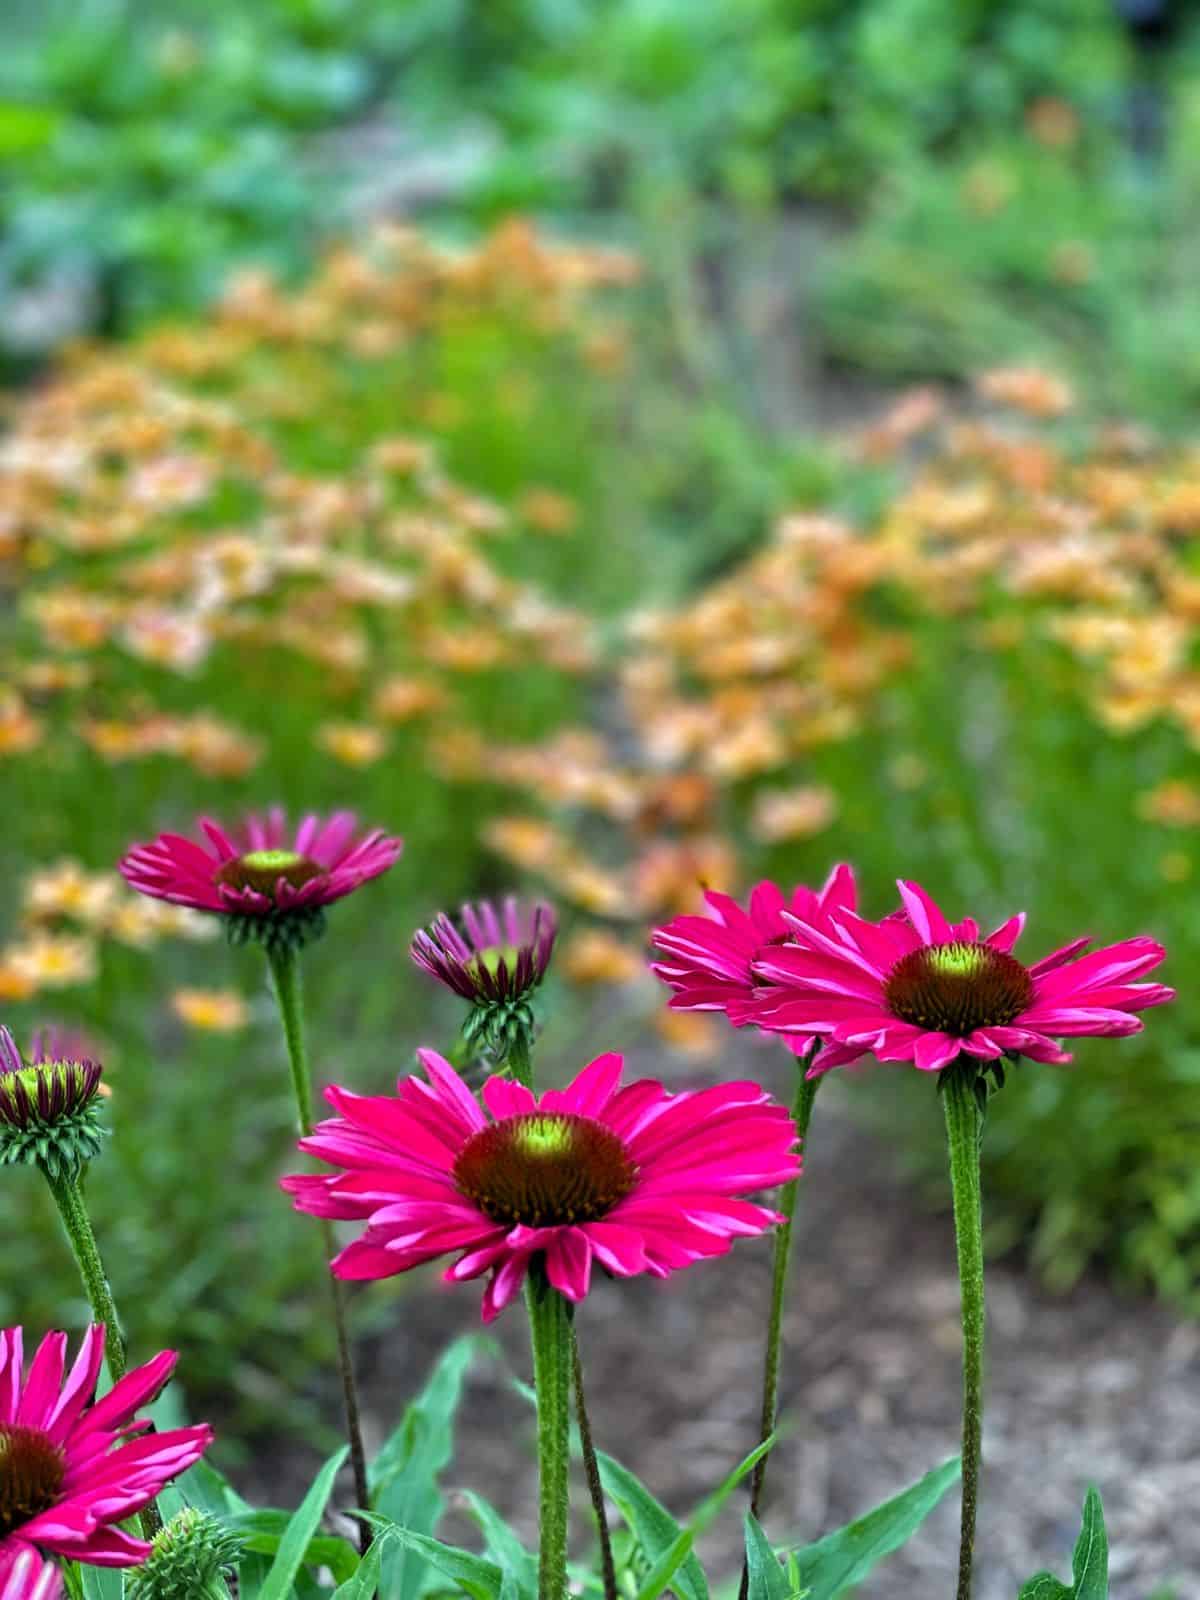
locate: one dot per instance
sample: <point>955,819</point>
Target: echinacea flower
<point>73,1467</point>
<point>271,881</point>
<point>25,1576</point>
<point>711,959</point>
<point>496,962</point>
<point>922,989</point>
<point>48,1110</point>
<point>500,955</point>
<point>632,1177</point>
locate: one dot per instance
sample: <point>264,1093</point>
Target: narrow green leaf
<point>289,1558</point>
<point>843,1558</point>
<point>503,1545</point>
<point>365,1580</point>
<point>768,1581</point>
<point>655,1527</point>
<point>404,1476</point>
<point>1089,1564</point>
<point>481,1579</point>
<point>667,1565</point>
<point>709,1507</point>
<point>263,1531</point>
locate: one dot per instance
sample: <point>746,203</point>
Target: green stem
<point>962,1133</point>
<point>550,1336</point>
<point>806,1093</point>
<point>285,971</point>
<point>591,1469</point>
<point>520,1060</point>
<point>68,1197</point>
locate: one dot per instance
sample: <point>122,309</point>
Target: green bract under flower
<point>186,1559</point>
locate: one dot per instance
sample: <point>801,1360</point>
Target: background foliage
<point>387,521</point>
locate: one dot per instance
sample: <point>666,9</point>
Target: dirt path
<point>1086,1388</point>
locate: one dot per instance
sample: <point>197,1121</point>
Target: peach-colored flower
<point>211,1010</point>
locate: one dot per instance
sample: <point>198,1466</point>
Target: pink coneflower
<point>634,1178</point>
<point>264,872</point>
<point>25,1576</point>
<point>922,989</point>
<point>73,1467</point>
<point>711,958</point>
<point>501,954</point>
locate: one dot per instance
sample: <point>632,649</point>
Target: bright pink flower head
<point>922,989</point>
<point>634,1178</point>
<point>25,1576</point>
<point>711,959</point>
<point>264,872</point>
<point>71,1466</point>
<point>502,952</point>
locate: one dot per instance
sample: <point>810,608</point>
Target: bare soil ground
<point>1085,1388</point>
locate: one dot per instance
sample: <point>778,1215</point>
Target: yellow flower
<point>18,730</point>
<point>54,961</point>
<point>595,956</point>
<point>688,1032</point>
<point>356,744</point>
<point>1175,803</point>
<point>214,1010</point>
<point>793,813</point>
<point>66,890</point>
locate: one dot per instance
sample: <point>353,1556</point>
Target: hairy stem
<point>962,1132</point>
<point>806,1093</point>
<point>550,1336</point>
<point>519,1060</point>
<point>68,1196</point>
<point>592,1471</point>
<point>285,971</point>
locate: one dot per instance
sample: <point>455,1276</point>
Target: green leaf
<point>204,1487</point>
<point>503,1545</point>
<point>843,1558</point>
<point>1089,1564</point>
<point>667,1565</point>
<point>404,1475</point>
<point>262,1532</point>
<point>365,1581</point>
<point>102,1583</point>
<point>297,1536</point>
<point>655,1527</point>
<point>481,1579</point>
<point>709,1507</point>
<point>768,1580</point>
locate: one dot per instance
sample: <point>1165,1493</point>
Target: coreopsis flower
<point>271,882</point>
<point>920,988</point>
<point>496,963</point>
<point>48,1104</point>
<point>711,960</point>
<point>627,1176</point>
<point>73,1467</point>
<point>25,1576</point>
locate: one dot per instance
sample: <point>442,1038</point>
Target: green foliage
<point>404,1475</point>
<point>835,1563</point>
<point>1089,1564</point>
<point>656,1529</point>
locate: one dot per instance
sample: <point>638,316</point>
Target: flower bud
<point>48,1110</point>
<point>186,1560</point>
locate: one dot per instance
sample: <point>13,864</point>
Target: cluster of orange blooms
<point>151,508</point>
<point>160,531</point>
